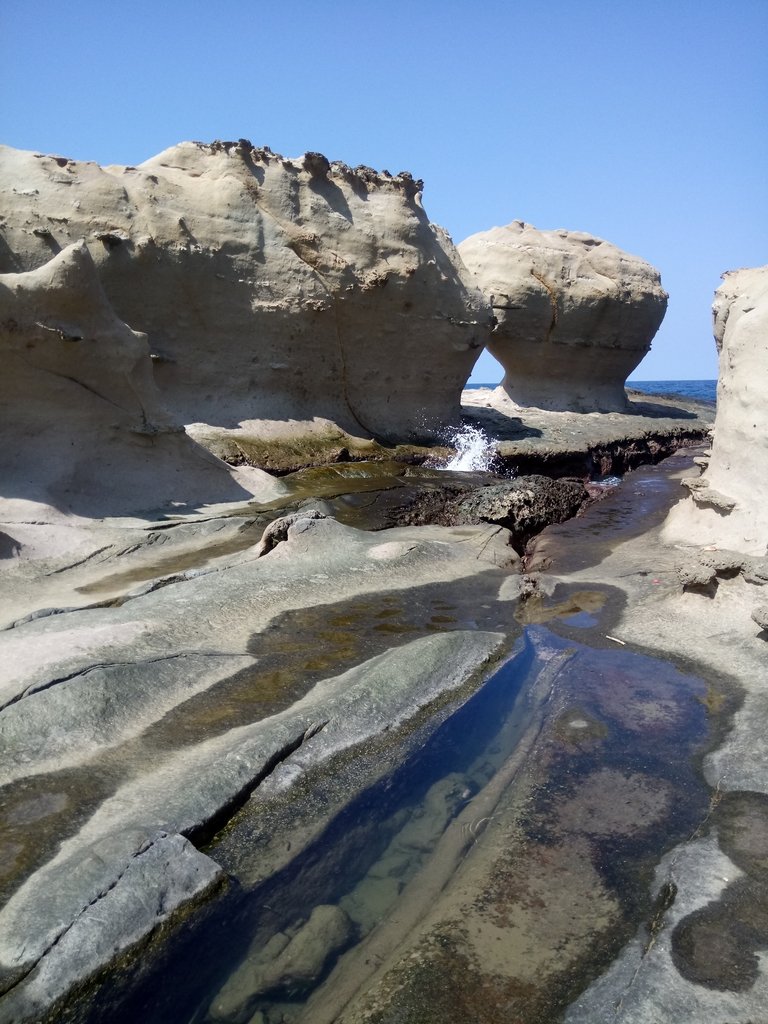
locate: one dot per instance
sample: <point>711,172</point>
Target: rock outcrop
<point>728,504</point>
<point>83,426</point>
<point>78,688</point>
<point>574,314</point>
<point>268,288</point>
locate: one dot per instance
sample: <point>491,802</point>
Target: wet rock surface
<point>584,444</point>
<point>168,730</point>
<point>266,795</point>
<point>417,497</point>
<point>523,506</point>
<point>546,882</point>
<point>287,962</point>
<point>699,959</point>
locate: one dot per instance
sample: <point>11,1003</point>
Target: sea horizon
<point>703,389</point>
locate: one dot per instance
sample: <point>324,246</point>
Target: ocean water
<point>700,390</point>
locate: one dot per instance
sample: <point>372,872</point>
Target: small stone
<point>760,616</point>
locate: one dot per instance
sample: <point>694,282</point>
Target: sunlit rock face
<point>574,314</point>
<point>268,288</point>
<point>729,502</point>
<point>82,426</point>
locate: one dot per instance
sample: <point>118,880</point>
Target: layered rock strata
<point>574,314</point>
<point>268,288</point>
<point>728,503</point>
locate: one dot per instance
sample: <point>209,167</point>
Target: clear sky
<point>641,121</point>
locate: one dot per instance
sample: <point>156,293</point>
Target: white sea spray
<point>475,451</point>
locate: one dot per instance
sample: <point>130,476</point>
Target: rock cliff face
<point>729,502</point>
<point>82,428</point>
<point>268,288</point>
<point>574,314</point>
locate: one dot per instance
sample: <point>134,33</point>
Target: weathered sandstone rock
<point>574,314</point>
<point>268,288</point>
<point>83,428</point>
<point>729,502</point>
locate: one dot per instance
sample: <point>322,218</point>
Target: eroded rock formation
<point>83,426</point>
<point>728,505</point>
<point>268,288</point>
<point>574,314</point>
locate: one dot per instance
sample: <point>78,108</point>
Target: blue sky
<point>642,122</point>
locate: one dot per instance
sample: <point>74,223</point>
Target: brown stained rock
<point>523,506</point>
<point>616,803</point>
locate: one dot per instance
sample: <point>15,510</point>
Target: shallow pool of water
<point>612,767</point>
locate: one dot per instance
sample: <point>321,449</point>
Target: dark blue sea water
<point>701,390</point>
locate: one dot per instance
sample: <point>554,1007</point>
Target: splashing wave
<point>475,451</point>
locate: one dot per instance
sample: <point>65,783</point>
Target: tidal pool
<point>482,867</point>
<point>482,864</point>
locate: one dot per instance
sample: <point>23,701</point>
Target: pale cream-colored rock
<point>728,504</point>
<point>574,314</point>
<point>269,289</point>
<point>82,426</point>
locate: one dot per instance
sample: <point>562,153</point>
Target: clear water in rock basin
<point>514,832</point>
<point>564,747</point>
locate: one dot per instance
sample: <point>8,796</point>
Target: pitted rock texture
<point>268,288</point>
<point>574,314</point>
<point>729,502</point>
<point>83,428</point>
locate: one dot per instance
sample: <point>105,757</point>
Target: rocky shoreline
<point>361,737</point>
<point>131,636</point>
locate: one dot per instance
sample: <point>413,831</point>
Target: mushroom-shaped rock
<point>574,314</point>
<point>737,471</point>
<point>268,288</point>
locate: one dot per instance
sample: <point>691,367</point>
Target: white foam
<point>475,451</point>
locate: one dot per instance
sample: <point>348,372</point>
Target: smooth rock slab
<point>194,785</point>
<point>162,874</point>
